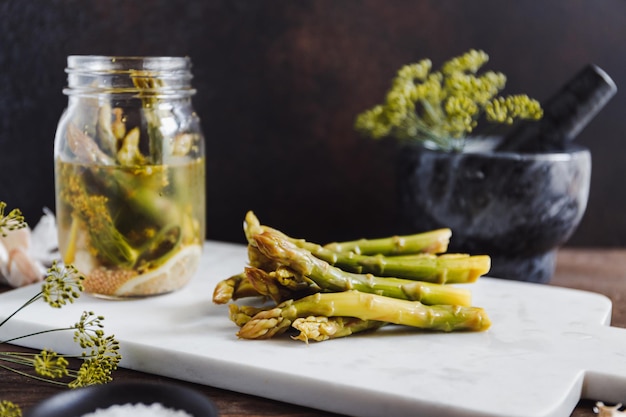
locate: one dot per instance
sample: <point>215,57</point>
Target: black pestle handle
<point>565,114</point>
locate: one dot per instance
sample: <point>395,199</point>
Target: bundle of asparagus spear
<point>325,292</point>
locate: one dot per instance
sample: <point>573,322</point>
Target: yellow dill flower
<point>471,61</point>
<point>417,71</point>
<point>374,123</point>
<point>479,89</point>
<point>50,364</point>
<point>11,221</point>
<point>88,330</point>
<point>93,371</point>
<point>8,409</point>
<point>461,112</point>
<point>507,109</point>
<point>439,109</point>
<point>62,285</point>
<point>89,373</point>
<point>105,350</point>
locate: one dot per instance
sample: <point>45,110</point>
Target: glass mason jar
<point>130,175</point>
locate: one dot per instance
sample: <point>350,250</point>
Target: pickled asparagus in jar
<point>131,231</point>
<point>130,177</point>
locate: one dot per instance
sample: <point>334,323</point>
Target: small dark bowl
<point>78,402</point>
<point>516,207</point>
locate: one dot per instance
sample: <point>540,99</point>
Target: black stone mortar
<point>516,207</point>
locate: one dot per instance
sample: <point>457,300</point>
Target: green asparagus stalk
<point>240,315</point>
<point>129,154</point>
<point>147,84</point>
<point>85,148</point>
<point>104,129</point>
<point>268,323</point>
<point>111,245</point>
<point>258,260</point>
<point>441,269</point>
<point>281,284</point>
<point>434,241</point>
<point>91,191</point>
<point>233,288</point>
<point>263,324</point>
<point>320,328</point>
<point>330,278</point>
<point>265,285</point>
<point>112,182</point>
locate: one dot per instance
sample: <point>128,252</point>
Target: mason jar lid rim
<point>96,92</point>
<point>105,63</point>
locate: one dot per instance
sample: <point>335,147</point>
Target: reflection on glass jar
<point>130,175</point>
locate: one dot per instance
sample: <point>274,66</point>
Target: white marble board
<point>547,348</point>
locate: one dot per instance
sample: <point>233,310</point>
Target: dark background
<point>280,83</point>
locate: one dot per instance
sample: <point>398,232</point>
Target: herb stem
<point>26,304</point>
<point>35,334</point>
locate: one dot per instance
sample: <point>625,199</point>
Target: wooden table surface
<point>598,270</point>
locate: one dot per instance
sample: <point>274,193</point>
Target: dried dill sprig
<point>8,409</point>
<point>11,221</point>
<point>62,285</point>
<point>100,355</point>
<point>439,109</point>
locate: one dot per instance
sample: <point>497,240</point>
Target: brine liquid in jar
<point>130,176</point>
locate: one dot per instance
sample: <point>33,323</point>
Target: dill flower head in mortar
<point>440,109</point>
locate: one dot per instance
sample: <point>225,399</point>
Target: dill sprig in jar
<point>130,175</point>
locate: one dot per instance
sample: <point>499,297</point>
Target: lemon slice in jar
<point>170,276</point>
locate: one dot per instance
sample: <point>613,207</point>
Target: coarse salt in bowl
<point>125,399</point>
<point>137,410</point>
